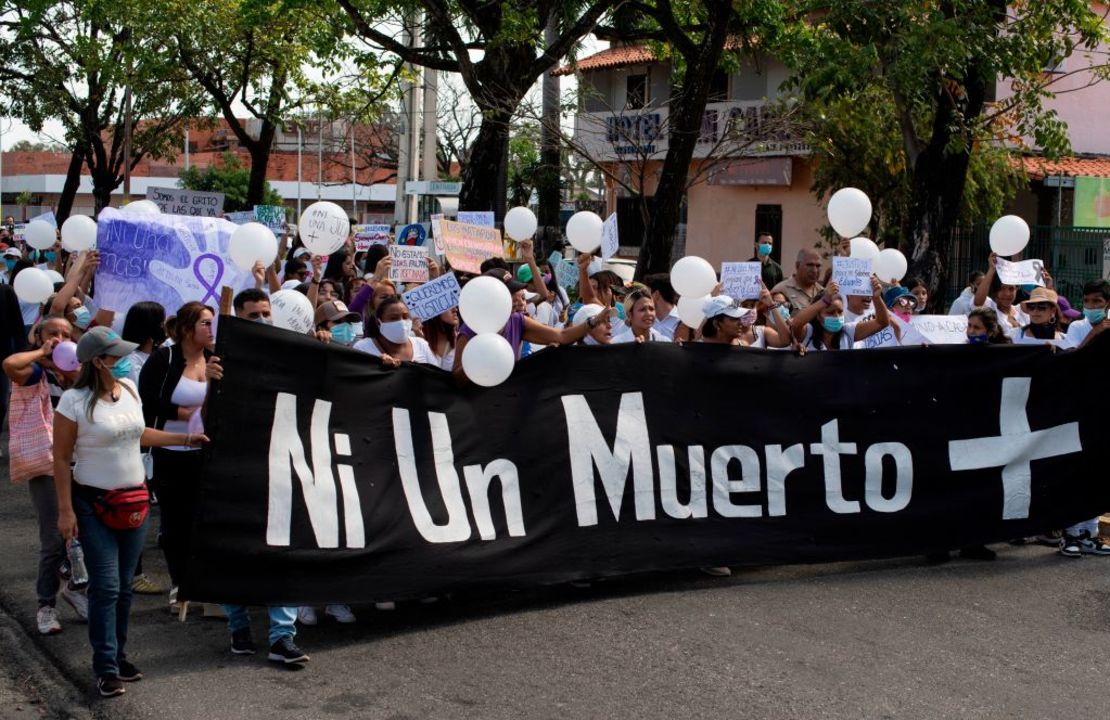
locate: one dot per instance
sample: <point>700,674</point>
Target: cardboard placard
<point>610,239</point>
<point>853,275</point>
<point>741,280</point>
<point>433,297</point>
<point>466,246</point>
<point>194,203</point>
<point>476,217</point>
<point>942,329</point>
<point>409,264</point>
<point>368,235</point>
<point>272,216</point>
<point>1026,272</point>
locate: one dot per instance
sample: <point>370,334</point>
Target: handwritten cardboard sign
<point>368,235</point>
<point>409,264</point>
<point>853,275</point>
<point>272,216</point>
<point>610,239</point>
<point>741,280</point>
<point>883,338</point>
<point>942,329</point>
<point>240,218</point>
<point>434,297</point>
<point>194,203</point>
<point>466,246</point>
<point>1026,272</point>
<point>437,233</point>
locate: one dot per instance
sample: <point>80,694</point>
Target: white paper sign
<point>610,240</point>
<point>433,298</point>
<point>409,263</point>
<point>741,280</point>
<point>476,217</point>
<point>368,235</point>
<point>942,329</point>
<point>1026,272</point>
<point>437,237</point>
<point>194,203</point>
<point>853,275</point>
<point>1020,338</point>
<point>883,338</point>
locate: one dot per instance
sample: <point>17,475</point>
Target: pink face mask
<point>748,318</point>
<point>903,314</point>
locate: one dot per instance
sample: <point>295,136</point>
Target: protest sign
<point>241,217</point>
<point>437,238</point>
<point>1026,272</point>
<point>882,339</point>
<point>272,216</point>
<point>466,246</point>
<point>566,271</point>
<point>408,264</point>
<point>942,329</point>
<point>48,217</point>
<point>367,235</point>
<point>412,235</point>
<point>610,239</point>
<point>170,259</point>
<point>476,217</point>
<point>433,297</point>
<point>332,479</point>
<point>194,203</point>
<point>853,275</point>
<point>741,280</point>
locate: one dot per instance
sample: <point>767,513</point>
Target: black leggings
<point>176,482</point>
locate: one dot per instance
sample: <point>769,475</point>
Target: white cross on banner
<point>1015,448</point>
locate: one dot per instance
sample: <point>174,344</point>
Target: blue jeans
<point>282,621</point>
<point>110,556</point>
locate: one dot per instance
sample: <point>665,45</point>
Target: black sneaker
<point>109,686</point>
<point>286,651</point>
<point>242,643</point>
<point>128,672</point>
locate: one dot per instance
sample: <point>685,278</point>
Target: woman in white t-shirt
<point>639,313</point>
<point>390,337</point>
<point>1010,316</point>
<point>99,426</point>
<point>1044,318</point>
<point>821,326</point>
<point>441,332</point>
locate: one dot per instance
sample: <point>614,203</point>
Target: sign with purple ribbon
<point>168,259</point>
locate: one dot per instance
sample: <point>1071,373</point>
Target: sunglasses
<point>1039,305</point>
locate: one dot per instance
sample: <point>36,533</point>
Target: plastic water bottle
<point>78,573</point>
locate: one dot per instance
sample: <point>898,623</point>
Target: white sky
<point>13,130</point>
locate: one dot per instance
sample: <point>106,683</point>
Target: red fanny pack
<point>124,509</point>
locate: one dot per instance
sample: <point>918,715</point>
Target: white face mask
<point>397,332</point>
<point>589,340</point>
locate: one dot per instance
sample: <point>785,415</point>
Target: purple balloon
<point>65,356</point>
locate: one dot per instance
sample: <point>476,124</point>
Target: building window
<point>718,87</point>
<point>636,93</point>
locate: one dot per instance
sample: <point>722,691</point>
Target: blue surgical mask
<point>1094,316</point>
<point>10,263</point>
<point>82,317</point>
<point>784,312</point>
<point>833,324</point>
<point>765,249</point>
<point>977,339</point>
<point>50,256</point>
<point>1029,287</point>
<point>343,333</point>
<point>121,369</point>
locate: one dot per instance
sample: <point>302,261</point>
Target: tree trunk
<point>547,184</point>
<point>260,160</point>
<point>72,184</point>
<point>479,190</point>
<point>687,107</point>
<point>103,185</point>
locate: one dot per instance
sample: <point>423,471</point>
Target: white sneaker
<point>78,601</point>
<point>340,613</point>
<point>387,605</point>
<point>721,571</point>
<point>47,619</point>
<point>306,615</point>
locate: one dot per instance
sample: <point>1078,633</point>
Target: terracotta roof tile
<point>1038,167</point>
<point>613,57</point>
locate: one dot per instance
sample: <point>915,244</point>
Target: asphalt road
<point>1021,637</point>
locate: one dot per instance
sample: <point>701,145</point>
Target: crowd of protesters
<point>86,438</point>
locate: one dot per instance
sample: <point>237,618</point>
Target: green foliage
<point>525,166</point>
<point>231,178</point>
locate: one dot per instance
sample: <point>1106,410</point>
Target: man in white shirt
<point>665,299</point>
<point>1096,299</point>
<point>965,303</point>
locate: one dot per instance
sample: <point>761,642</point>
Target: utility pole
<point>300,153</point>
<point>430,169</point>
<point>127,138</point>
<point>408,160</point>
<point>319,155</point>
<point>186,149</point>
<point>354,176</point>
<point>549,195</point>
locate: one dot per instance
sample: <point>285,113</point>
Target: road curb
<point>60,697</point>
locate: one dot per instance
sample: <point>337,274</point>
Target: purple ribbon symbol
<point>213,287</point>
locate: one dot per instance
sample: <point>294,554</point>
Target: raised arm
<point>586,291</point>
<point>805,316</point>
<point>867,328</point>
<point>528,252</point>
<point>86,262</point>
<point>985,283</point>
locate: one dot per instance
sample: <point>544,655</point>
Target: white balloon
<point>293,311</point>
<point>584,231</point>
<point>1009,235</point>
<point>865,248</point>
<point>79,233</point>
<point>488,359</point>
<point>693,276</point>
<point>33,286</point>
<point>520,223</point>
<point>849,211</point>
<point>142,207</point>
<point>485,304</point>
<point>251,243</point>
<point>891,265</point>
<point>40,235</point>
<point>690,310</point>
<point>55,276</point>
<point>324,227</point>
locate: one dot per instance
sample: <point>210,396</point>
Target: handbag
<point>123,509</point>
<point>31,443</point>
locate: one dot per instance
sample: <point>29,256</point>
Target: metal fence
<point>1072,254</point>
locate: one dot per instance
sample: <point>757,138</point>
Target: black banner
<point>331,479</point>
